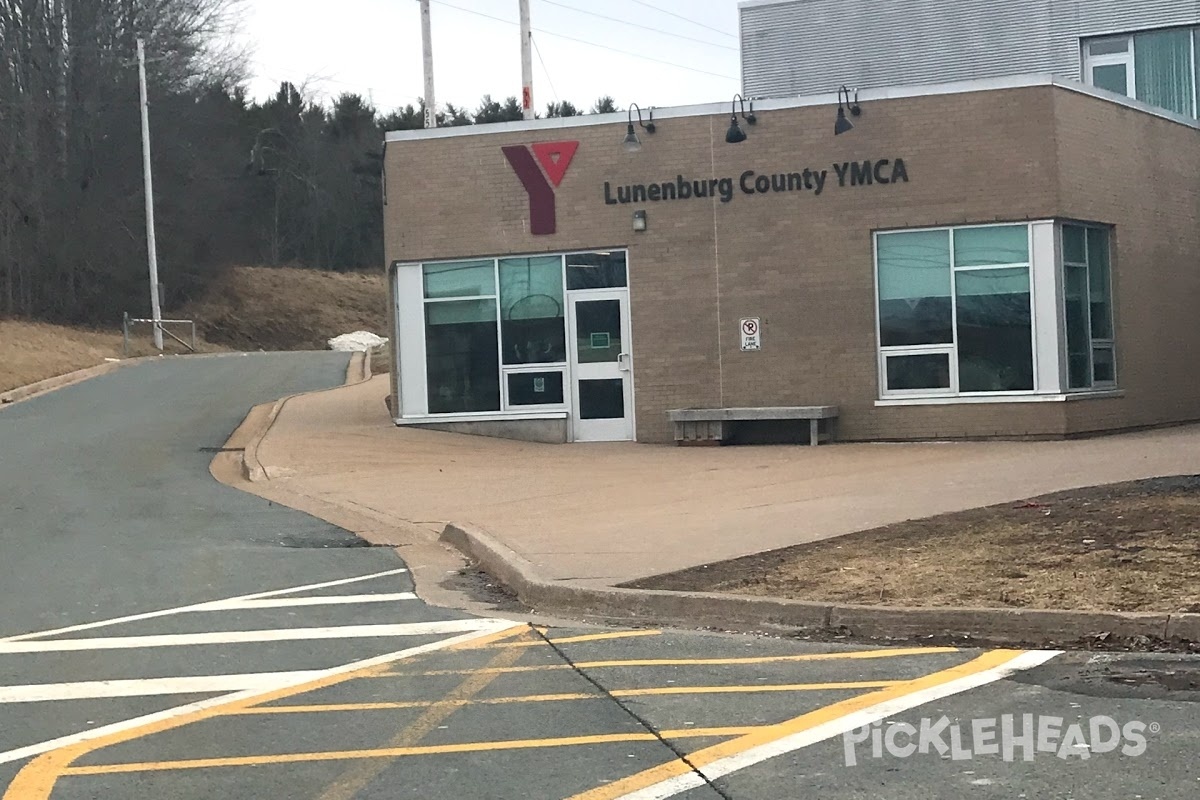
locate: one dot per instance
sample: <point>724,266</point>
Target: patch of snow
<point>357,341</point>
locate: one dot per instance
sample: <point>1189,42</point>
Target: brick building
<point>1015,257</point>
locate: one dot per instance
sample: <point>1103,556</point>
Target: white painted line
<point>488,626</point>
<point>324,600</point>
<point>241,637</point>
<point>145,687</point>
<point>205,606</point>
<point>819,733</point>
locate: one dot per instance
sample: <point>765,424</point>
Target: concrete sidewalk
<point>607,513</point>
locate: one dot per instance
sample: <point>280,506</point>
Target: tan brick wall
<point>802,263</point>
<point>1142,174</point>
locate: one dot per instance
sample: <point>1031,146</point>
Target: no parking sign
<point>751,332</point>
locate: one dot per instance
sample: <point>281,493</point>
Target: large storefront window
<point>496,329</point>
<point>954,310</point>
<point>1088,307</point>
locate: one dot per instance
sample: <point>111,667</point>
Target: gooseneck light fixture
<point>842,125</point>
<point>735,133</point>
<point>631,142</point>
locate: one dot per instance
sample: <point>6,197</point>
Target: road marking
<point>548,698</point>
<point>355,779</point>
<point>591,637</point>
<point>677,662</point>
<point>677,776</point>
<point>200,606</point>
<point>323,600</point>
<point>145,687</point>
<point>36,779</point>
<point>398,752</point>
<point>241,637</point>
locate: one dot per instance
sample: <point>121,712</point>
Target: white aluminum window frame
<point>1125,59</point>
<point>411,360</point>
<point>951,348</point>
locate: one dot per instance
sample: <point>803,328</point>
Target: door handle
<point>623,362</point>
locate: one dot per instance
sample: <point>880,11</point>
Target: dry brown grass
<point>247,308</point>
<point>266,308</point>
<point>1127,547</point>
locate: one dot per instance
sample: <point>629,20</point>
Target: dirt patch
<point>1123,547</point>
<point>266,308</point>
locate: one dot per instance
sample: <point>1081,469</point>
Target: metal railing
<point>128,321</point>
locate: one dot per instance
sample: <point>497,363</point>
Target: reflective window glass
<point>462,359</point>
<point>995,330</point>
<point>914,288</point>
<point>598,270</point>
<point>460,279</point>
<point>532,322</point>
<point>984,247</point>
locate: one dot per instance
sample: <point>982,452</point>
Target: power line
<point>636,25</point>
<point>584,41</point>
<point>685,19</point>
<point>549,80</point>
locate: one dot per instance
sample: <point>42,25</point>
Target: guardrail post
<point>125,335</point>
<point>193,336</point>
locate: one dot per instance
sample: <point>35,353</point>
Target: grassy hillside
<point>263,308</point>
<point>247,308</point>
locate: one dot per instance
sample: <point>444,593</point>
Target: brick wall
<point>800,262</point>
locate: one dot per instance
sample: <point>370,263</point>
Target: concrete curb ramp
<point>253,470</point>
<point>1000,626</point>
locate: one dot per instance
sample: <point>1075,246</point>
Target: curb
<point>61,381</point>
<point>253,470</point>
<point>993,626</point>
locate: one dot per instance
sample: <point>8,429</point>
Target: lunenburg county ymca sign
<point>848,173</point>
<point>538,166</point>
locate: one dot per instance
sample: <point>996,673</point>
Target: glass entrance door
<point>602,396</point>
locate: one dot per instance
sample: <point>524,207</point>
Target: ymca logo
<point>553,158</point>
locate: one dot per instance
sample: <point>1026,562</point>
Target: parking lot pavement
<point>522,712</point>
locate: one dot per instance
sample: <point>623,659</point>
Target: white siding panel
<point>807,47</point>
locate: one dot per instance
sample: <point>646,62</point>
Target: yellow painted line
<point>36,779</point>
<point>356,778</point>
<point>546,698</point>
<point>688,662</point>
<point>769,733</point>
<point>398,752</point>
<point>591,637</point>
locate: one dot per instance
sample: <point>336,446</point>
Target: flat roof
<point>779,103</point>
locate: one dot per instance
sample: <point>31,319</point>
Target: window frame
<point>951,348</point>
<point>506,409</point>
<point>1094,344</point>
<point>1128,59</point>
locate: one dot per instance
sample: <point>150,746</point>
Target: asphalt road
<point>165,636</point>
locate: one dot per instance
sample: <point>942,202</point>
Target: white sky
<point>374,47</point>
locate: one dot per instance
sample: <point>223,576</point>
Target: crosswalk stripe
<point>325,600</point>
<point>240,637</point>
<point>200,606</point>
<point>145,687</point>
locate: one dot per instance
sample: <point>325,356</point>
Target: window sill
<point>482,416</point>
<point>950,400</point>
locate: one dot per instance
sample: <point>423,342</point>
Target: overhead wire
<point>685,19</point>
<point>586,42</point>
<point>637,25</point>
<point>542,61</point>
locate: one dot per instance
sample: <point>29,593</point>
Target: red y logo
<point>554,157</point>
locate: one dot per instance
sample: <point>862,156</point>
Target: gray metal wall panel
<point>812,46</point>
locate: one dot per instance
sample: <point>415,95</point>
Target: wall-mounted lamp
<point>631,142</point>
<point>735,134</point>
<point>842,124</point>
<point>639,221</point>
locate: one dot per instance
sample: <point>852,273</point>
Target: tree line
<point>285,180</point>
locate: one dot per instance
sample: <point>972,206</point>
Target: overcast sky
<point>374,47</point>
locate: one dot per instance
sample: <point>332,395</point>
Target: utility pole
<point>427,49</point>
<point>151,247</point>
<point>526,63</point>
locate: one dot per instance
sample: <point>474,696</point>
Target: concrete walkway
<point>607,513</point>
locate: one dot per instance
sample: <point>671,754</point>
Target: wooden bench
<point>715,425</point>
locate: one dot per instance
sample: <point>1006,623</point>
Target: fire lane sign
<point>751,332</point>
